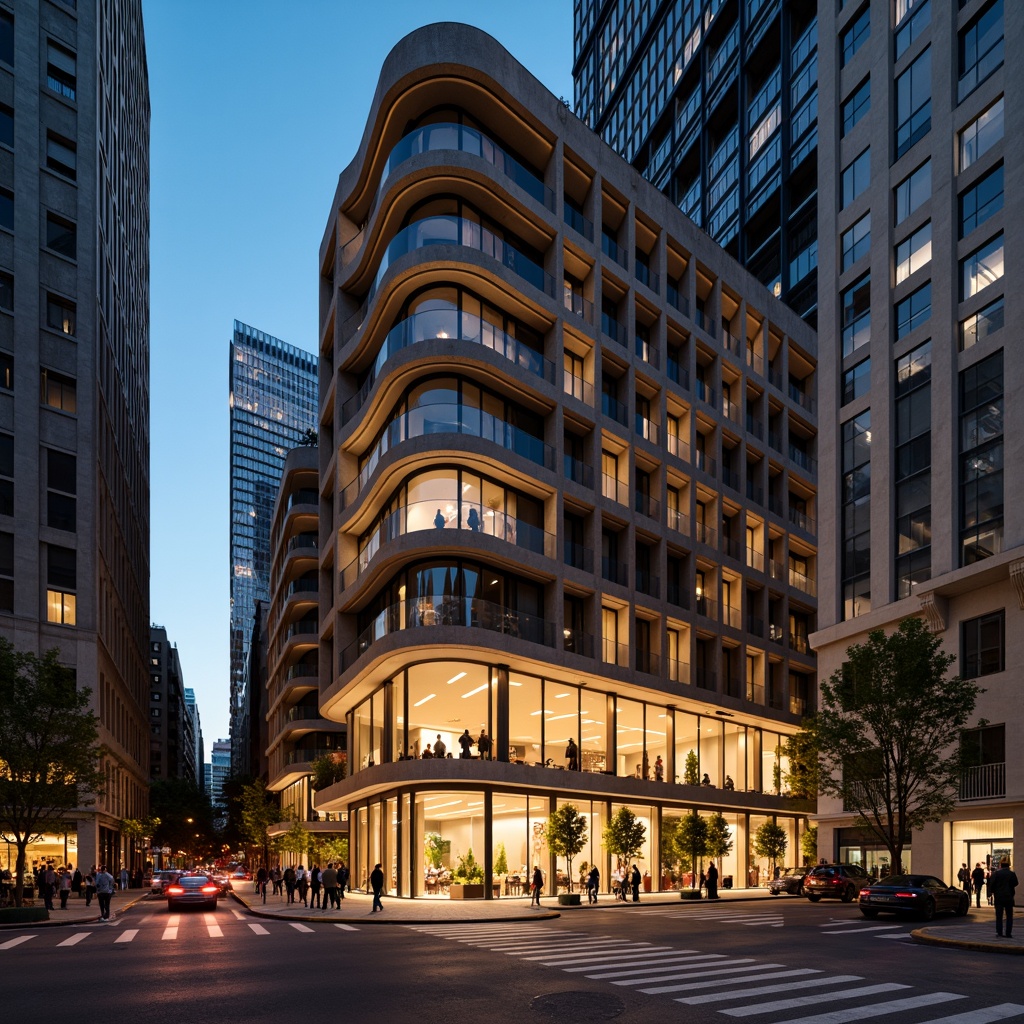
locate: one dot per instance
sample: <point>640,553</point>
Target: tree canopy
<point>770,840</point>
<point>184,817</point>
<point>719,837</point>
<point>49,751</point>
<point>567,835</point>
<point>259,812</point>
<point>888,730</point>
<point>624,834</point>
<point>692,841</point>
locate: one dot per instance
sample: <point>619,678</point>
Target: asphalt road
<point>777,962</point>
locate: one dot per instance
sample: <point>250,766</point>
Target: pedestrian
<point>702,881</point>
<point>302,884</point>
<point>277,877</point>
<point>536,885</point>
<point>262,876</point>
<point>593,884</point>
<point>634,882</point>
<point>466,743</point>
<point>712,881</point>
<point>1004,885</point>
<point>705,780</point>
<point>729,784</point>
<point>76,882</point>
<point>104,890</point>
<point>90,887</point>
<point>64,887</point>
<point>314,886</point>
<point>439,748</point>
<point>572,753</point>
<point>978,878</point>
<point>377,885</point>
<point>344,880</point>
<point>48,886</point>
<point>124,879</point>
<point>483,745</point>
<point>964,878</point>
<point>289,883</point>
<point>329,878</point>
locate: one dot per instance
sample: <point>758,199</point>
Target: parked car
<point>791,881</point>
<point>161,879</point>
<point>192,890</point>
<point>924,895</point>
<point>221,880</point>
<point>835,882</point>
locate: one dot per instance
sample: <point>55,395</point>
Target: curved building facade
<point>568,485</point>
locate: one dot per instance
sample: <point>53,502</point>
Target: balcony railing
<point>801,582</point>
<point>577,642</point>
<point>577,387</point>
<point>300,714</point>
<point>302,671</point>
<point>678,447</point>
<point>579,306</point>
<point>580,224</point>
<point>647,429</point>
<point>448,324</point>
<point>678,521</point>
<point>647,583</point>
<point>615,409</point>
<point>614,489</point>
<point>678,671</point>
<point>579,556</point>
<point>802,459</point>
<point>613,328</point>
<point>614,572</point>
<point>646,505</point>
<point>802,520</point>
<point>578,472</point>
<point>983,781</point>
<point>429,612</point>
<point>613,653</point>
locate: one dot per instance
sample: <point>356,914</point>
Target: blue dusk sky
<point>257,106</point>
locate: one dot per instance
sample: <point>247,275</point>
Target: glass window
<point>856,177</point>
<point>981,201</point>
<point>6,209</point>
<point>914,252</point>
<point>913,310</point>
<point>593,731</point>
<point>6,125</point>
<point>6,371</point>
<point>981,268</point>
<point>855,36</point>
<point>978,137</point>
<point>6,37</point>
<point>525,719</point>
<point>61,236</point>
<point>61,70</point>
<point>856,381</point>
<point>629,739</point>
<point>60,314</point>
<point>444,698</point>
<point>58,391</point>
<point>978,326</point>
<point>980,49</point>
<point>856,241</point>
<point>981,459</point>
<point>982,645</point>
<point>561,721</point>
<point>61,155</point>
<point>912,191</point>
<point>855,302</point>
<point>856,105</point>
<point>914,103</point>
<point>6,291</point>
<point>912,18</point>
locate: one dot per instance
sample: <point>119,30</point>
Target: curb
<point>58,923</point>
<point>921,935</point>
<point>367,919</point>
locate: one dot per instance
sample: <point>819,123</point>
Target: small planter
<point>23,915</point>
<point>569,899</point>
<point>470,891</point>
<point>689,894</point>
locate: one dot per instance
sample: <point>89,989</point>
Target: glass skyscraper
<point>716,103</point>
<point>273,401</point>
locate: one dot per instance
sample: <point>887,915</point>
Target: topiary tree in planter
<point>567,835</point>
<point>719,838</point>
<point>435,848</point>
<point>469,870</point>
<point>770,840</point>
<point>501,861</point>
<point>692,841</point>
<point>691,769</point>
<point>624,834</point>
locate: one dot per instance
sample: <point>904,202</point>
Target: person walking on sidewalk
<point>261,882</point>
<point>593,884</point>
<point>1004,885</point>
<point>377,885</point>
<point>712,881</point>
<point>302,883</point>
<point>314,886</point>
<point>48,885</point>
<point>124,879</point>
<point>329,878</point>
<point>90,887</point>
<point>536,885</point>
<point>344,879</point>
<point>289,883</point>
<point>64,887</point>
<point>634,882</point>
<point>978,878</point>
<point>104,890</point>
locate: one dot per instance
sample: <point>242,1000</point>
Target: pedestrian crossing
<point>731,985</point>
<point>161,927</point>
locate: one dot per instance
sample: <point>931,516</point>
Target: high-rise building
<point>920,223</point>
<point>74,377</point>
<point>716,103</point>
<point>198,755</point>
<point>567,492</point>
<point>273,402</point>
<point>172,739</point>
<point>218,772</point>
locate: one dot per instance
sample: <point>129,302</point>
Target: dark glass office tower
<point>273,398</point>
<point>715,102</point>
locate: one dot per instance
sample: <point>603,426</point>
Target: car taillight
<point>175,890</point>
<point>865,892</point>
<point>905,895</point>
<point>210,888</point>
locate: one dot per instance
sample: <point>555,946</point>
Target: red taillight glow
<point>176,890</point>
<point>906,895</point>
<point>865,892</point>
<point>210,888</point>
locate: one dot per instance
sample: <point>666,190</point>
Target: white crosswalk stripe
<point>74,940</point>
<point>766,990</point>
<point>11,943</point>
<point>873,1010</point>
<point>820,997</point>
<point>346,927</point>
<point>300,927</point>
<point>258,929</point>
<point>128,935</point>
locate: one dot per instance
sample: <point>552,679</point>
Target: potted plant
<point>467,879</point>
<point>567,835</point>
<point>692,843</point>
<point>500,870</point>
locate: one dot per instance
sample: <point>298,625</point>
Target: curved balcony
<point>422,516</point>
<point>305,756</point>
<point>301,714</point>
<point>429,612</point>
<point>449,137</point>
<point>447,229</point>
<point>303,586</point>
<point>449,418</point>
<point>445,325</point>
<point>303,541</point>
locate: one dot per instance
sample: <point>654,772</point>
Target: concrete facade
<point>566,455</point>
<point>923,521</point>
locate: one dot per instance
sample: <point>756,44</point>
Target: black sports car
<point>924,895</point>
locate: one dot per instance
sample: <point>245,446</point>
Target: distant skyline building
<point>219,770</point>
<point>273,400</point>
<point>74,380</point>
<point>172,739</point>
<point>715,102</point>
<point>197,732</point>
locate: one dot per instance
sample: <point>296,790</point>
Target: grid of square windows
<point>981,134</point>
<point>914,103</point>
<point>857,105</point>
<point>981,268</point>
<point>912,461</point>
<point>981,459</point>
<point>978,326</point>
<point>981,201</point>
<point>913,311</point>
<point>980,49</point>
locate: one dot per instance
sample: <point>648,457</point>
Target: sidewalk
<point>977,933</point>
<point>79,913</point>
<point>356,907</point>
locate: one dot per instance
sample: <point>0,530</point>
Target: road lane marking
<point>170,933</point>
<point>258,929</point>
<point>238,916</point>
<point>74,940</point>
<point>764,990</point>
<point>874,1010</point>
<point>212,927</point>
<point>11,943</point>
<point>989,1013</point>
<point>820,997</point>
<point>128,935</point>
<point>346,927</point>
<point>866,928</point>
<point>300,927</point>
<point>671,963</point>
<point>661,988</point>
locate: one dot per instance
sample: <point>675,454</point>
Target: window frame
<point>977,669</point>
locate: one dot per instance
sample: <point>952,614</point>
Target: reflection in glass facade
<point>273,402</point>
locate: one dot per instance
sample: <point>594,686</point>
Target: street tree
<point>801,777</point>
<point>49,754</point>
<point>770,840</point>
<point>809,844</point>
<point>567,835</point>
<point>624,834</point>
<point>258,812</point>
<point>719,837</point>
<point>296,840</point>
<point>692,841</point>
<point>888,732</point>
